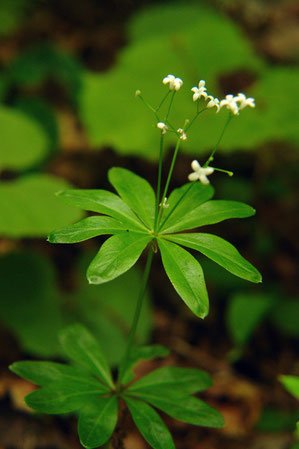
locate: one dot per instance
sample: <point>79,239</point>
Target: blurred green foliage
<point>275,420</point>
<point>193,42</point>
<point>34,309</point>
<point>23,142</point>
<point>11,13</point>
<point>43,62</point>
<point>30,207</point>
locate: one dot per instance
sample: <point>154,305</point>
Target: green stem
<point>218,141</point>
<point>149,107</point>
<point>170,104</point>
<point>157,109</point>
<point>159,180</point>
<point>176,205</point>
<point>194,118</point>
<point>169,177</point>
<point>126,357</point>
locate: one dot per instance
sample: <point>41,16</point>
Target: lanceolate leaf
<point>209,213</point>
<point>97,421</point>
<point>44,373</point>
<point>150,424</point>
<point>186,275</point>
<point>184,380</point>
<point>81,347</point>
<point>181,203</point>
<point>136,192</point>
<point>182,407</point>
<point>63,397</point>
<point>86,229</point>
<point>142,353</point>
<point>221,252</point>
<point>117,255</point>
<point>103,202</point>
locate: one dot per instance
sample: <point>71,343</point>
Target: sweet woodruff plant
<point>141,220</point>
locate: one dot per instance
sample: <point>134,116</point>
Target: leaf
<point>108,310</point>
<point>116,256</point>
<point>86,229</point>
<point>29,207</point>
<point>142,353</point>
<point>285,316</point>
<point>136,192</point>
<point>182,407</point>
<point>245,312</point>
<point>30,305</point>
<point>63,397</point>
<point>150,424</point>
<point>184,380</point>
<point>23,141</point>
<point>197,194</point>
<point>291,383</point>
<point>221,252</point>
<point>103,202</point>
<point>44,373</point>
<point>211,212</point>
<point>81,347</point>
<point>97,421</point>
<point>186,275</point>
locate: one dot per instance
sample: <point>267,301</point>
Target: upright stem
<point>157,109</point>
<point>218,141</point>
<point>177,203</point>
<point>195,117</point>
<point>159,180</point>
<point>169,177</point>
<point>170,104</point>
<point>126,357</point>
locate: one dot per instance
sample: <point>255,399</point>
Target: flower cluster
<point>237,103</point>
<point>232,103</point>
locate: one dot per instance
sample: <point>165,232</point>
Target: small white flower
<point>213,102</point>
<point>241,98</point>
<point>183,135</point>
<point>200,91</point>
<point>174,83</point>
<point>200,173</point>
<point>164,204</point>
<point>231,103</point>
<point>162,126</point>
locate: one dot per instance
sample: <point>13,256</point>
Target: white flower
<point>213,102</point>
<point>241,98</point>
<point>164,204</point>
<point>174,83</point>
<point>199,91</point>
<point>162,126</point>
<point>200,173</point>
<point>183,135</point>
<point>231,103</point>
